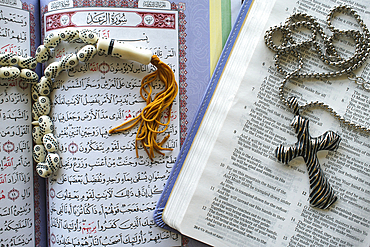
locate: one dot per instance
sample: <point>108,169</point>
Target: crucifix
<point>295,51</point>
<point>321,194</point>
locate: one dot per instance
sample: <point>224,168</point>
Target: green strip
<point>226,19</point>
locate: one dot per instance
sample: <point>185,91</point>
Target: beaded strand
<point>45,151</point>
<point>13,67</point>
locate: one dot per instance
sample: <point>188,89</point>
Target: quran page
<point>103,194</point>
<point>231,189</point>
<point>20,204</point>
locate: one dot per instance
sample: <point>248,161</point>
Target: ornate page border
<point>180,7</point>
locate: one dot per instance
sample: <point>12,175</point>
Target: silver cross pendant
<point>321,194</point>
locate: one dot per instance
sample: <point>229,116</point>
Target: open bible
<point>244,174</point>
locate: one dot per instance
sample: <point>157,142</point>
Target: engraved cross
<point>321,194</point>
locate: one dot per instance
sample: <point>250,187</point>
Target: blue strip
<point>199,116</point>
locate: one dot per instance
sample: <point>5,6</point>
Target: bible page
<point>244,196</point>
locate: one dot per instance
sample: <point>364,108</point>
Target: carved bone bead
<point>86,53</point>
<point>69,35</point>
<point>39,153</point>
<point>34,113</point>
<point>53,70</point>
<point>52,40</point>
<point>68,62</point>
<point>43,169</point>
<point>7,58</point>
<point>50,142</point>
<point>46,125</point>
<point>29,76</point>
<point>103,46</point>
<point>27,62</point>
<point>41,106</point>
<point>37,135</point>
<point>125,51</point>
<point>43,87</point>
<point>42,54</point>
<point>34,92</point>
<point>53,160</point>
<point>89,36</point>
<point>9,72</point>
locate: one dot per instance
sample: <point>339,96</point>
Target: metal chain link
<point>330,57</point>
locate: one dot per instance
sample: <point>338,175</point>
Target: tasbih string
<point>45,152</point>
<point>150,117</point>
<point>13,67</point>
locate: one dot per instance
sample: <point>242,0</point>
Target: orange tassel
<point>150,118</point>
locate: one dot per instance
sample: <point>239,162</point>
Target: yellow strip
<point>215,25</point>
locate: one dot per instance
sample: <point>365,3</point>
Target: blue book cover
<point>200,113</point>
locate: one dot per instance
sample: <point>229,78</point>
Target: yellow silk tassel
<point>150,117</point>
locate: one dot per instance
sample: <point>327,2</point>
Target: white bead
<point>39,153</point>
<point>27,62</point>
<point>53,70</point>
<point>50,142</point>
<point>44,104</point>
<point>53,160</point>
<point>103,46</point>
<point>68,62</point>
<point>42,54</point>
<point>41,107</point>
<point>89,37</point>
<point>34,92</point>
<point>69,34</point>
<point>43,87</point>
<point>125,51</point>
<point>51,40</point>
<point>46,125</point>
<point>29,76</point>
<point>43,169</point>
<point>7,58</point>
<point>37,135</point>
<point>9,72</point>
<point>86,53</point>
<point>34,113</point>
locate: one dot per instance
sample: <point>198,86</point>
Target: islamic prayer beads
<point>9,71</point>
<point>45,151</point>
